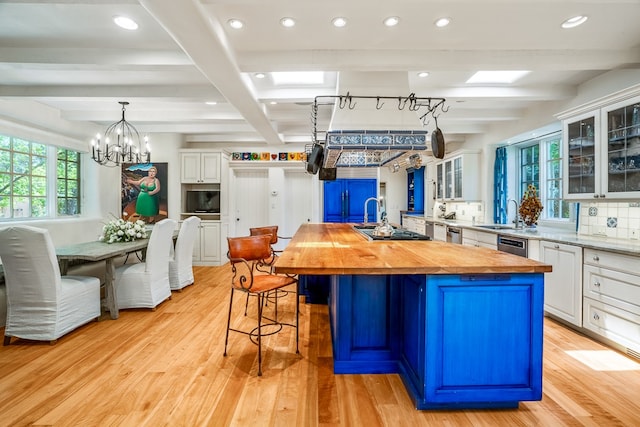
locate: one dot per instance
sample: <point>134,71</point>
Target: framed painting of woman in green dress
<point>144,193</point>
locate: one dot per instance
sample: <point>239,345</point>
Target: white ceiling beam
<point>446,60</point>
<point>159,92</point>
<point>203,40</point>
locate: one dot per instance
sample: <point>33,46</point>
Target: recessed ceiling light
<point>574,22</point>
<point>442,22</point>
<point>497,76</point>
<point>339,22</point>
<point>126,23</point>
<point>211,103</point>
<point>235,23</point>
<point>260,75</point>
<point>391,21</point>
<point>287,22</point>
<point>423,74</point>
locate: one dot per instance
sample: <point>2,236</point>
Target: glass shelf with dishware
<point>603,149</point>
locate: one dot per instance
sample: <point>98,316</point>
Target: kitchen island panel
<point>483,340</point>
<point>364,322</point>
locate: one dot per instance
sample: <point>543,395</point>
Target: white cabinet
<point>563,286</point>
<point>612,297</point>
<point>458,178</point>
<point>439,232</point>
<point>414,223</point>
<point>602,151</point>
<point>206,249</point>
<point>479,238</point>
<point>621,150</point>
<point>200,167</point>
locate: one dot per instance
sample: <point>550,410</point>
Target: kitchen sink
<point>368,230</point>
<point>496,226</point>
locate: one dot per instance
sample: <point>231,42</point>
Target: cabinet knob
<point>596,196</point>
<point>596,284</point>
<point>602,196</point>
<point>596,258</point>
<point>556,246</point>
<point>595,316</point>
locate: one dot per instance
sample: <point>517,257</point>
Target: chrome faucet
<point>516,219</point>
<point>366,213</point>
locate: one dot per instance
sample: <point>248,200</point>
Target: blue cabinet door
<point>344,200</point>
<point>415,192</point>
<point>334,201</point>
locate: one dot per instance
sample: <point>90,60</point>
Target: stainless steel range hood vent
<point>374,129</point>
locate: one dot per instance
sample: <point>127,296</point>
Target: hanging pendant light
<point>121,144</point>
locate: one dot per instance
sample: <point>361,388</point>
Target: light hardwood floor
<point>165,367</point>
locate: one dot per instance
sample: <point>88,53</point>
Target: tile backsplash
<point>617,220</point>
<point>467,211</point>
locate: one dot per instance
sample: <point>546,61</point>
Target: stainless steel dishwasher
<point>454,234</point>
<point>512,245</point>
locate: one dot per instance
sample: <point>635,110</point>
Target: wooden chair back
<point>250,248</point>
<point>270,229</point>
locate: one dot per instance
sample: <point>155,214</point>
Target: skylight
<point>298,77</point>
<point>497,76</point>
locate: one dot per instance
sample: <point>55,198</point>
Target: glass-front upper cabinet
<point>621,157</point>
<point>448,180</point>
<point>457,177</point>
<point>581,171</point>
<point>439,181</point>
<point>602,149</point>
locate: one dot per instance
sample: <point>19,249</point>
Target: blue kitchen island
<point>462,326</point>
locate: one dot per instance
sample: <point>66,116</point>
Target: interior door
<point>252,200</point>
<point>298,201</point>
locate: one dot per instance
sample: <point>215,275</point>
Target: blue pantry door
<point>344,200</point>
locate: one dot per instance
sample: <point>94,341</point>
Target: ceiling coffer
<point>372,131</point>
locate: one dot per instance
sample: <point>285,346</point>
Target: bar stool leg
<point>226,338</point>
<point>260,302</point>
<point>297,296</point>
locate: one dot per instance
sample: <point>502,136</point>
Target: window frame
<point>544,162</point>
<point>50,154</point>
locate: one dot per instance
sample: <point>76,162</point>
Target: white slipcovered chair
<point>181,264</point>
<point>146,284</point>
<point>41,304</point>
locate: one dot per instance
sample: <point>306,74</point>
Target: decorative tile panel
<point>370,148</point>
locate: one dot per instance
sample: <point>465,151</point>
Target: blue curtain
<point>500,186</point>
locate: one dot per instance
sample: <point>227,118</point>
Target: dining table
<point>95,251</point>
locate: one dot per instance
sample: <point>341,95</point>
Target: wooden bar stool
<point>252,275</point>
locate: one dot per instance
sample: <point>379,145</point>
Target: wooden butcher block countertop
<point>330,248</point>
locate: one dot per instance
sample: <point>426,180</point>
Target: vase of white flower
<point>119,230</point>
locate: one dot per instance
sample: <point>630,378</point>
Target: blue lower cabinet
<point>457,341</point>
<point>315,289</point>
<point>365,324</point>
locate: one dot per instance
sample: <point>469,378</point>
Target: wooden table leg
<point>110,289</point>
